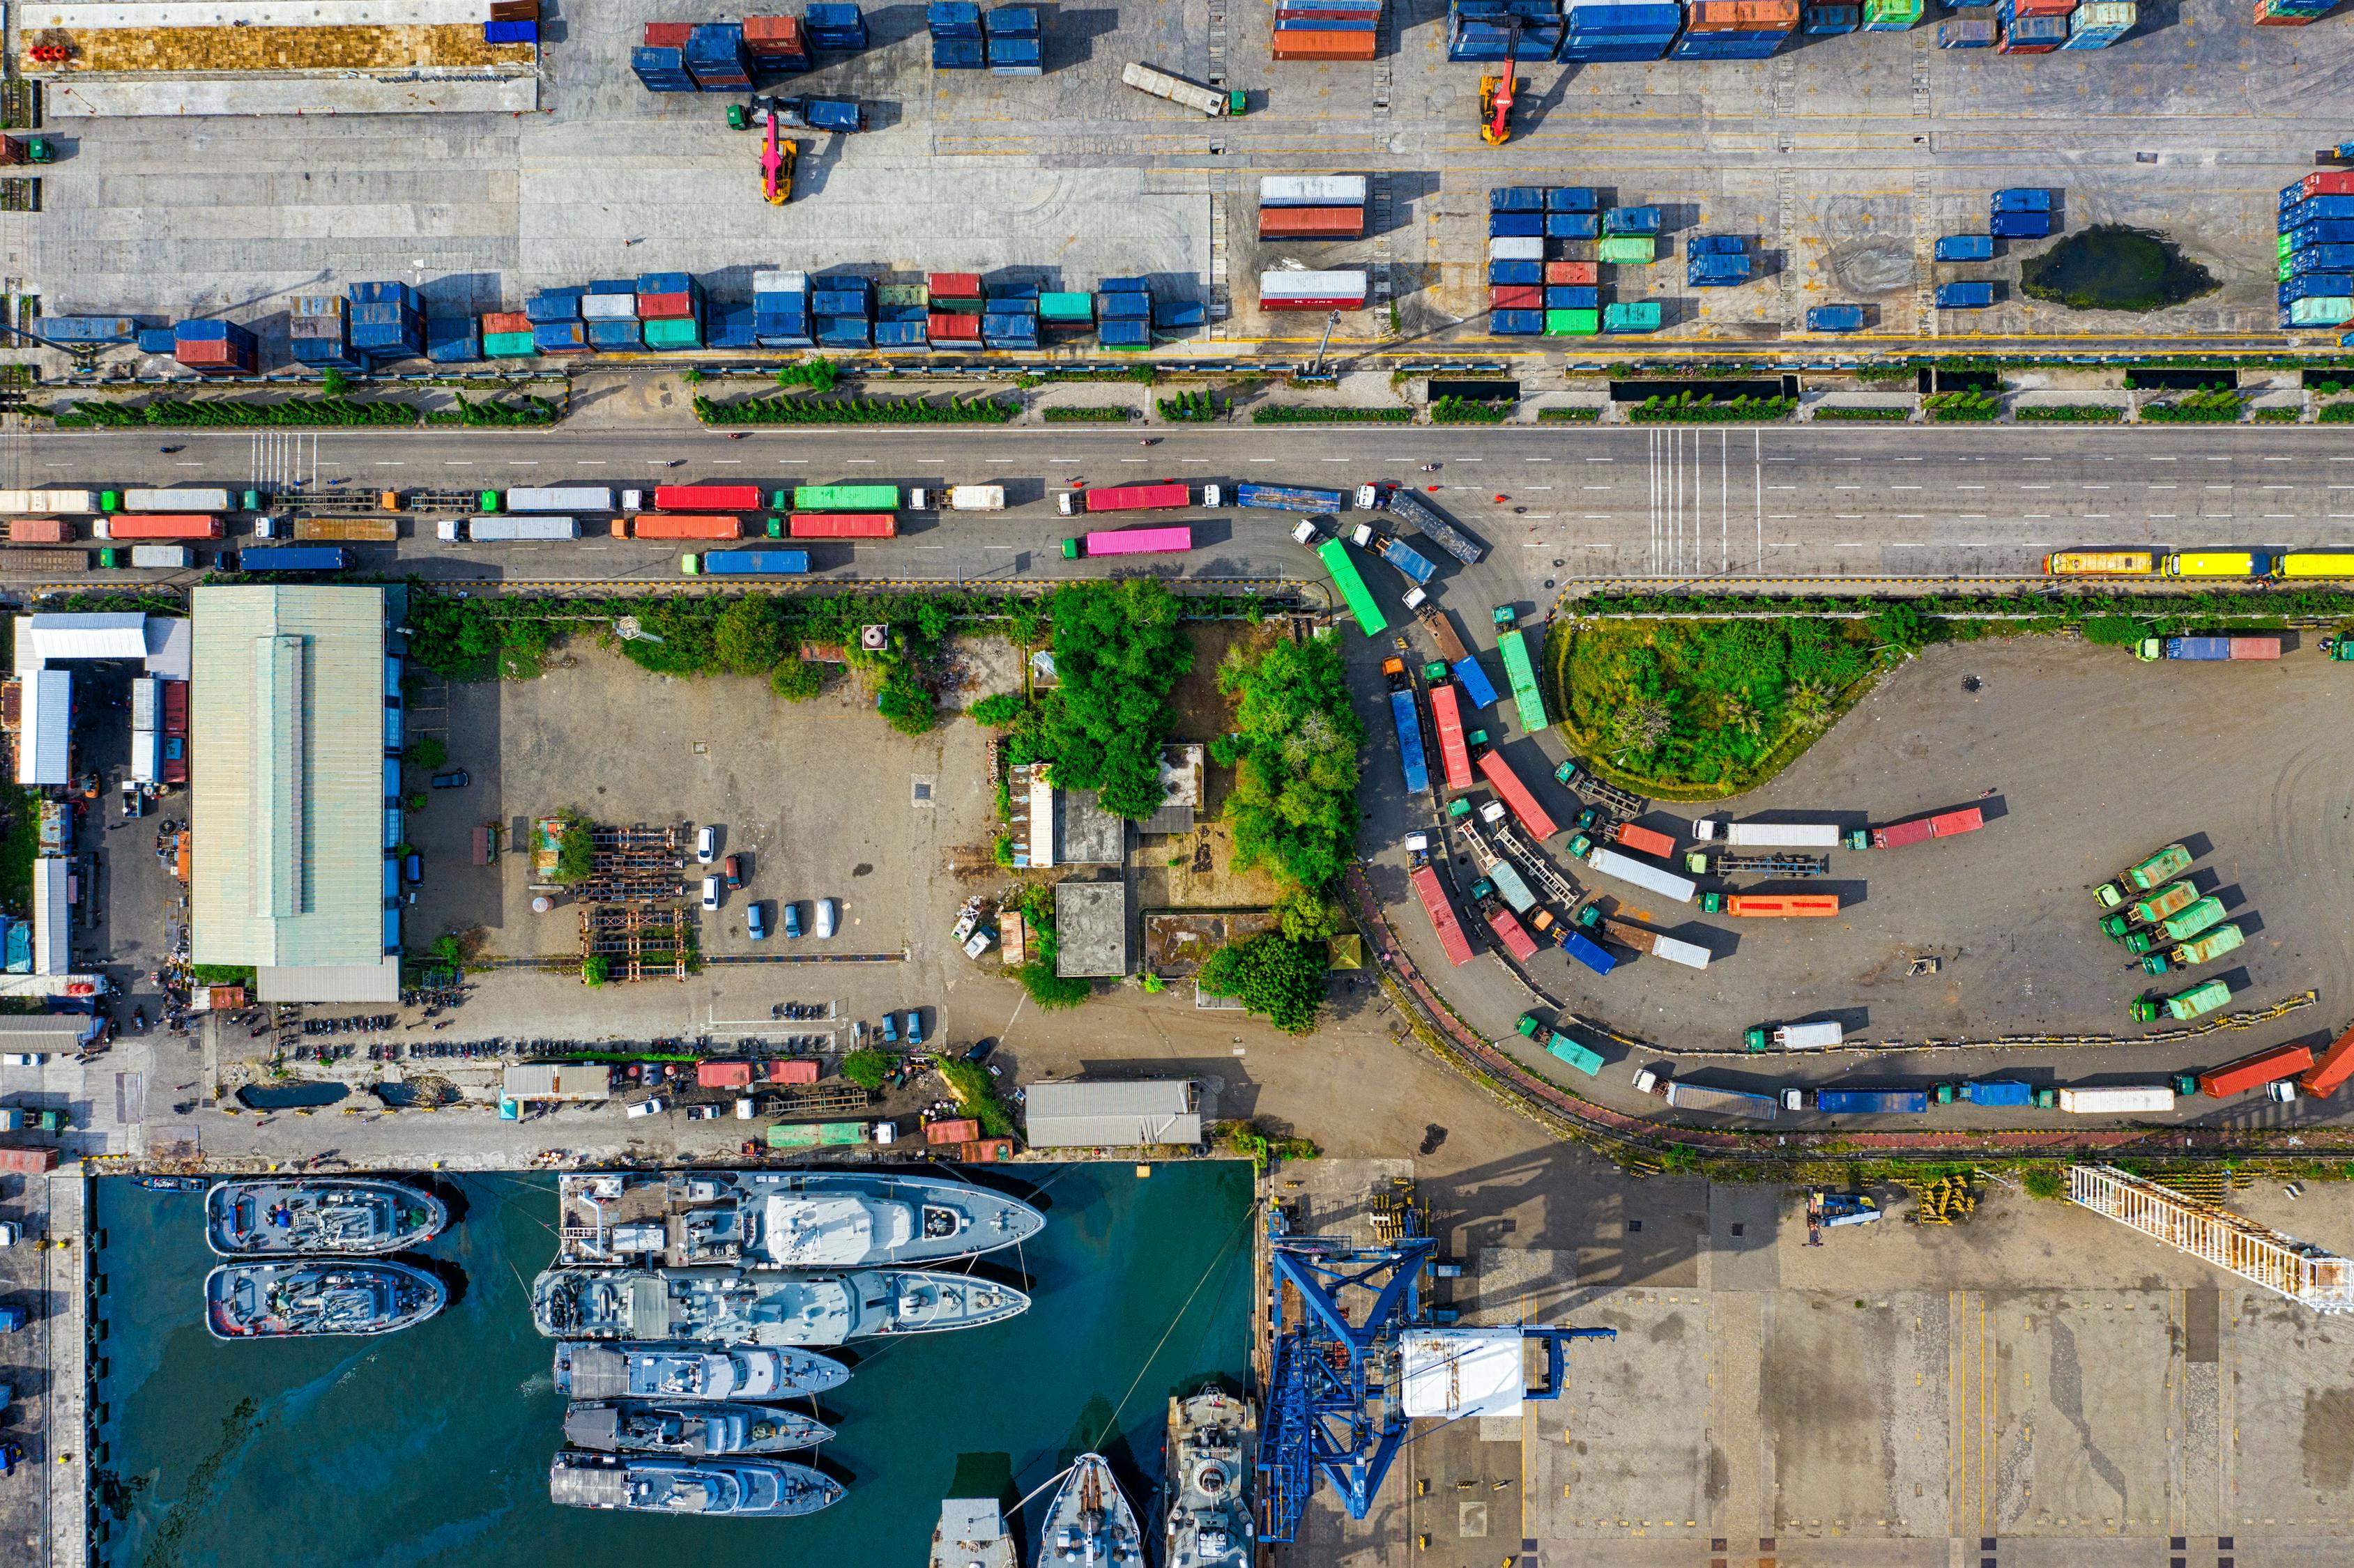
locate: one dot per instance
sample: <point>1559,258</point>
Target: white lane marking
<point>1614,460</point>
<point>2156,515</point>
<point>1781,487</point>
<point>1969,487</point>
<point>1606,487</point>
<point>1536,460</point>
<point>2034,487</point>
<point>869,462</point>
<point>1904,487</point>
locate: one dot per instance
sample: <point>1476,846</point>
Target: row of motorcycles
<point>800,1010</point>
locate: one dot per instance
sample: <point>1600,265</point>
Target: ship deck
<point>583,1218</point>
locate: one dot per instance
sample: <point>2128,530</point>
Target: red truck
<point>707,498</point>
<point>1517,942</point>
<point>722,1074</point>
<point>2254,1072</point>
<point>1125,498</point>
<point>1497,772</point>
<point>2336,1065</point>
<point>649,526</point>
<point>1944,825</point>
<point>844,525</point>
<point>128,526</point>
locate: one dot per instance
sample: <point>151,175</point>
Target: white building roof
<point>44,730</point>
<point>1111,1114</point>
<point>47,637</point>
<point>52,939</point>
<point>1449,1373</point>
<point>329,983</point>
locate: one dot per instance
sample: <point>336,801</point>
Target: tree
<point>998,710</point>
<point>333,383</point>
<point>797,680</point>
<point>1307,916</point>
<point>1809,701</point>
<point>575,850</point>
<point>905,705</point>
<point>1279,978</point>
<point>1118,650</point>
<point>866,1068</point>
<point>692,377</point>
<point>1901,626</point>
<point>426,751</point>
<point>748,638</point>
<point>1294,749</point>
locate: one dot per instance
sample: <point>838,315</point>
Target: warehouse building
<point>44,646</point>
<point>1112,1115</point>
<point>296,802</point>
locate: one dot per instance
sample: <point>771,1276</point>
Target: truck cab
<point>1372,497</point>
<point>1305,534</point>
<point>1647,1082</point>
<point>1794,1099</point>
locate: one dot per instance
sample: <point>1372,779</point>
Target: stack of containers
<point>776,44</point>
<point>216,348</point>
<point>1716,261</point>
<point>716,58</point>
<point>1124,315</point>
<point>1620,29</point>
<point>1178,316</point>
<point>1297,291</point>
<point>1326,29</point>
<point>661,64</point>
<point>320,332</point>
<point>555,323</point>
<point>1573,299</point>
<point>669,310</point>
<point>2291,12</point>
<point>1970,33</point>
<point>2316,250</point>
<point>1629,237</point>
<point>1571,212</point>
<point>2020,213</point>
<point>1736,29</point>
<point>840,27</point>
<point>733,326</point>
<point>900,311</point>
<point>1311,207</point>
<point>1829,21</point>
<point>452,340</point>
<point>506,335</point>
<point>844,307</point>
<point>1015,45</point>
<point>955,36</point>
<point>1009,319</point>
<point>609,311</point>
<point>2032,26</point>
<point>1516,265</point>
<point>2097,24</point>
<point>1065,313</point>
<point>388,321</point>
<point>954,320</point>
<point>155,340</point>
<point>780,310</point>
<point>1482,29</point>
<point>1890,16</point>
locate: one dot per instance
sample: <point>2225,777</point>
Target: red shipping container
<point>2008,47</point>
<point>962,1130</point>
<point>1336,303</point>
<point>505,324</point>
<point>27,1162</point>
<point>707,498</point>
<point>986,1152</point>
<point>1137,497</point>
<point>844,525</point>
<point>2329,182</point>
<point>664,307</point>
<point>954,285</point>
<point>1516,297</point>
<point>667,35</point>
<point>175,707</point>
<point>722,1074</point>
<point>942,327</point>
<point>1298,45</point>
<point>801,1070</point>
<point>687,526</point>
<point>1569,274</point>
<point>2253,1072</point>
<point>1946,824</point>
<point>40,531</point>
<point>1647,841</point>
<point>1311,223</point>
<point>1764,15</point>
<point>2336,1065</point>
<point>160,525</point>
<point>2256,647</point>
<point>212,355</point>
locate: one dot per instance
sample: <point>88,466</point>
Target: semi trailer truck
<point>1765,835</point>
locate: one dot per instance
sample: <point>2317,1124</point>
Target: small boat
<point>762,1307</point>
<point>714,1489</point>
<point>971,1534</point>
<point>697,1372</point>
<point>1210,1445</point>
<point>1090,1525</point>
<point>171,1183</point>
<point>693,1431</point>
<point>309,1297</point>
<point>346,1215</point>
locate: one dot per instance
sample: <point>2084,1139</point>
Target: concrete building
<point>1054,826</point>
<point>1112,1115</point>
<point>52,927</point>
<point>1091,930</point>
<point>1183,771</point>
<point>296,807</point>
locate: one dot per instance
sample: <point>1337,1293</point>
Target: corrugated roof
<point>378,982</point>
<point>287,772</point>
<point>1110,1114</point>
<point>52,937</point>
<point>47,637</point>
<point>45,728</point>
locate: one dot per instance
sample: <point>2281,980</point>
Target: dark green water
<point>430,1449</point>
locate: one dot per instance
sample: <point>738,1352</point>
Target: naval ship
<point>1209,1457</point>
<point>313,1296</point>
<point>693,1372</point>
<point>971,1534</point>
<point>714,1489</point>
<point>1090,1525</point>
<point>690,1431</point>
<point>348,1215</point>
<point>781,1219</point>
<point>733,1306</point>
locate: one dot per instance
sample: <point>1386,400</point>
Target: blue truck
<point>2001,1092</point>
<point>1288,498</point>
<point>2021,198</point>
<point>1417,569</point>
<point>1835,318</point>
<point>1409,728</point>
<point>1858,1102</point>
<point>2021,225</point>
<point>1474,682</point>
<point>745,564</point>
<point>1592,954</point>
<point>1964,248</point>
<point>1965,296</point>
<point>294,558</point>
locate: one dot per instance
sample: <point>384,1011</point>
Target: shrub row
<point>2336,414</point>
<point>1962,408</point>
<point>1302,414</point>
<point>980,410</point>
<point>2197,409</point>
<point>1467,411</point>
<point>1092,414</point>
<point>1882,416</point>
<point>2069,414</point>
<point>1189,407</point>
<point>303,412</point>
<point>1585,414</point>
<point>2278,416</point>
<point>1689,409</point>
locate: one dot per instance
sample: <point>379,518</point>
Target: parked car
<point>23,1059</point>
<point>412,868</point>
<point>980,1051</point>
<point>710,893</point>
<point>792,920</point>
<point>915,1027</point>
<point>735,866</point>
<point>756,921</point>
<point>701,1113</point>
<point>653,1104</point>
<point>706,846</point>
<point>825,914</point>
<point>11,1232</point>
<point>457,778</point>
<point>890,1030</point>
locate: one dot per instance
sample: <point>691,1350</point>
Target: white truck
<point>501,528</point>
<point>188,500</point>
<point>1701,1098</point>
<point>26,502</point>
<point>163,557</point>
<point>1776,835</point>
<point>1177,89</point>
<point>1794,1036</point>
<point>960,498</point>
<point>2119,1099</point>
<point>1641,872</point>
<point>565,498</point>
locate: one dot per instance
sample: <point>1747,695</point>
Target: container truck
<point>2117,1098</point>
<point>1414,516</point>
<point>960,498</point>
<point>686,526</point>
<point>175,501</point>
<point>154,526</point>
<point>1442,633</point>
<point>1644,840</point>
<point>294,558</point>
<point>2206,949</point>
<point>1792,1036</point>
<point>1944,825</point>
<point>1771,905</point>
<point>347,530</point>
<point>1133,498</point>
<point>2255,1071</point>
<point>2150,908</point>
<point>1513,647</point>
<point>1408,724</point>
<point>1343,571</point>
<point>1700,862</point>
<point>1454,754</point>
<point>1624,801</point>
<point>1174,540</point>
<point>1516,940</point>
<point>1592,954</point>
<point>163,557</point>
<point>1177,89</point>
<point>45,562</point>
<point>1506,879</point>
<point>2183,1005</point>
<point>1435,901</point>
<point>2337,1065</point>
<point>1286,498</point>
<point>40,531</point>
<point>1508,786</point>
<point>499,529</point>
<point>745,564</point>
<point>569,498</point>
<point>2143,875</point>
<point>1858,1102</point>
<point>1417,571</point>
<point>2178,927</point>
<point>1627,868</point>
<point>2100,563</point>
<point>1477,689</point>
<point>1643,939</point>
<point>1779,835</point>
<point>74,500</point>
<point>2207,649</point>
<point>843,526</point>
<point>716,497</point>
<point>1996,1091</point>
<point>832,498</point>
<point>1588,1061</point>
<point>1701,1098</point>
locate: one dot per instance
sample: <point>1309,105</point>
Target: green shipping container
<point>1640,315</point>
<point>1891,10</point>
<point>1572,323</point>
<point>2322,310</point>
<point>2285,269</point>
<point>844,498</point>
<point>813,1134</point>
<point>2287,246</point>
<point>509,345</point>
<point>675,332</point>
<point>1079,309</point>
<point>903,297</point>
<point>1628,250</point>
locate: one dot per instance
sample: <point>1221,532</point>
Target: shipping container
<point>572,498</point>
<point>152,526</point>
<point>40,531</point>
<point>1286,498</point>
<point>2337,1065</point>
<point>1591,954</point>
<point>1646,841</point>
<point>40,561</point>
<point>1527,700</point>
<point>837,498</point>
<point>1723,1102</point>
<point>1446,718</point>
<point>294,558</point>
<point>1627,868</point>
<point>1416,515</point>
<point>1835,318</point>
<point>1772,835</point>
<point>1303,290</point>
<point>1312,190</point>
<point>1477,690</point>
<point>2255,1071</point>
<point>162,557</point>
<point>507,530</point>
<point>1945,824</point>
<point>1408,723</point>
<point>745,564</point>
<point>1509,931</point>
<point>1343,571</point>
<point>27,1162</point>
<point>1130,498</point>
<point>347,530</point>
<point>708,497</point>
<point>77,501</point>
<point>2119,1099</point>
<point>1772,905</point>
<point>1965,296</point>
<point>722,1074</point>
<point>176,501</point>
<point>1311,223</point>
<point>843,526</point>
<point>2007,1094</point>
<point>1451,940</point>
<point>1871,1102</point>
<point>686,526</point>
<point>1516,795</point>
<point>1576,273</point>
<point>1175,539</point>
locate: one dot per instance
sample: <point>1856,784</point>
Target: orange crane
<point>1496,94</point>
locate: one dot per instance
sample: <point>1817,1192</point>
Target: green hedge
<point>2336,414</point>
<point>856,411</point>
<point>1963,407</point>
<point>2069,414</point>
<point>1586,415</point>
<point>2277,416</point>
<point>1092,414</point>
<point>1468,411</point>
<point>1879,416</point>
<point>202,413</point>
<point>1691,409</point>
<point>2197,409</point>
<point>2039,611</point>
<point>1302,414</point>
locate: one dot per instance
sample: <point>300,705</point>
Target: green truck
<point>2182,1005</point>
<point>2148,910</point>
<point>2171,860</point>
<point>1559,1045</point>
<point>2191,955</point>
<point>2180,927</point>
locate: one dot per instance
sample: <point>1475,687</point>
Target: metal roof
<point>1111,1114</point>
<point>378,982</point>
<point>58,1032</point>
<point>288,770</point>
<point>52,939</point>
<point>45,726</point>
<point>558,1081</point>
<point>1091,930</point>
<point>41,637</point>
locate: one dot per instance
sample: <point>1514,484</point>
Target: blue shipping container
<point>2021,225</point>
<point>2335,231</point>
<point>560,337</point>
<point>1829,21</point>
<point>553,306</point>
<point>1998,1093</point>
<point>1592,954</point>
<point>1871,1102</point>
<point>899,334</point>
<point>1572,198</point>
<point>155,340</point>
<point>1515,199</point>
<point>452,340</point>
<point>845,331</point>
<point>952,19</point>
<point>1179,314</point>
<point>2314,208</point>
<point>1473,680</point>
<point>1515,274</point>
<point>958,54</point>
<point>1571,224</point>
<point>1965,296</point>
<point>1573,297</point>
<point>2022,198</point>
<point>511,32</point>
<point>1631,220</point>
<point>1124,307</point>
<point>88,329</point>
<point>1130,333</point>
<point>1013,22</point>
<point>385,294</point>
<point>613,334</point>
<point>1515,225</point>
<point>1964,248</point>
<point>1835,318</point>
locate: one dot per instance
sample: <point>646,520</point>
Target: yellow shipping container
<point>2100,563</point>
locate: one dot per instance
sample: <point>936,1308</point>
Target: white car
<point>653,1106</point>
<point>825,914</point>
<point>707,846</point>
<point>710,893</point>
<point>23,1059</point>
<point>11,1232</point>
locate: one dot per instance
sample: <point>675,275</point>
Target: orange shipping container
<point>722,1074</point>
<point>506,322</point>
<point>986,1152</point>
<point>1311,223</point>
<point>800,1070</point>
<point>671,525</point>
<point>27,1162</point>
<point>1306,46</point>
<point>963,1129</point>
<point>1799,906</point>
<point>40,531</point>
<point>1570,274</point>
<point>2336,1065</point>
<point>1746,16</point>
<point>1648,842</point>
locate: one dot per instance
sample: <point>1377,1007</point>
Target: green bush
<point>2335,414</point>
<point>1467,411</point>
<point>1194,408</point>
<point>1879,373</point>
<point>1962,408</point>
<point>797,680</point>
<point>1090,414</point>
<point>1048,989</point>
<point>1586,414</point>
<point>1303,414</point>
<point>819,375</point>
<point>2197,409</point>
<point>905,705</point>
<point>1281,981</point>
<point>2045,1182</point>
<point>812,410</point>
<point>427,752</point>
<point>1294,749</point>
<point>2069,414</point>
<point>998,710</point>
<point>575,849</point>
<point>2278,416</point>
<point>1117,652</point>
<point>867,1068</point>
<point>976,1095</point>
<point>1879,415</point>
<point>1699,408</point>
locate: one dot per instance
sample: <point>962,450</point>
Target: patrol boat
<point>1210,1439</point>
<point>348,1215</point>
<point>692,1371</point>
<point>317,1297</point>
<point>712,1489</point>
<point>782,1219</point>
<point>692,1431</point>
<point>1090,1525</point>
<point>971,1534</point>
<point>733,1306</point>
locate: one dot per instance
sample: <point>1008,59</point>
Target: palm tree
<point>1736,713</point>
<point>1809,701</point>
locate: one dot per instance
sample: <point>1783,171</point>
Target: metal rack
<point>2298,1270</point>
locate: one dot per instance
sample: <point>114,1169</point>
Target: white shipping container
<point>20,503</point>
<point>1505,248</point>
<point>772,282</point>
<point>580,498</point>
<point>1808,1036</point>
<point>2122,1097</point>
<point>1773,835</point>
<point>146,757</point>
<point>504,529</point>
<point>609,307</point>
<point>1176,89</point>
<point>163,557</point>
<point>147,702</point>
<point>977,498</point>
<point>1642,874</point>
<point>1312,190</point>
<point>1311,285</point>
<point>1692,954</point>
<point>175,501</point>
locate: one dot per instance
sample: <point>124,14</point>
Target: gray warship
<point>971,1534</point>
<point>344,1215</point>
<point>1210,1445</point>
<point>310,1297</point>
<point>1090,1525</point>
<point>733,1306</point>
<point>781,1219</point>
<point>693,1431</point>
<point>676,1372</point>
<point>710,1489</point>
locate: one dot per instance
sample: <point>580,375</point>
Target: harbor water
<point>428,1448</point>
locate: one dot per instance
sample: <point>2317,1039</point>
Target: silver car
<point>825,916</point>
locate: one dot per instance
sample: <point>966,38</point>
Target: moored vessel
<point>1090,1525</point>
<point>1210,1442</point>
<point>317,1297</point>
<point>781,1219</point>
<point>344,1215</point>
<point>733,1306</point>
<point>688,1371</point>
<point>695,1431</point>
<point>712,1488</point>
<point>971,1534</point>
